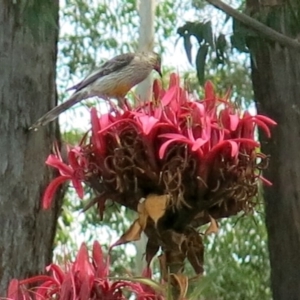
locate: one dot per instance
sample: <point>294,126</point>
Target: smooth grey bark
<point>28,48</point>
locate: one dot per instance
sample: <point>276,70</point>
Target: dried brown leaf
<point>195,251</point>
<point>143,215</point>
<point>163,266</point>
<point>152,248</point>
<point>182,282</point>
<point>132,234</point>
<point>173,240</point>
<point>155,206</point>
<point>213,227</point>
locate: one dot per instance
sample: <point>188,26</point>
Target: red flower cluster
<point>191,161</point>
<point>189,149</point>
<point>82,280</point>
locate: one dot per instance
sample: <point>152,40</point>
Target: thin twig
<point>256,25</point>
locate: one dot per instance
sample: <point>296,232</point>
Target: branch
<point>256,25</point>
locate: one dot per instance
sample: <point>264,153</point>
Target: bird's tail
<point>56,111</point>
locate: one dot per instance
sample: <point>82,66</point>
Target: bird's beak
<point>158,70</point>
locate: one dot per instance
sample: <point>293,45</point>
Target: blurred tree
<point>28,43</point>
<point>276,84</point>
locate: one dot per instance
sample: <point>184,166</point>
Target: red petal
<point>148,123</point>
<point>156,89</point>
<point>13,290</point>
<point>101,267</point>
<point>95,120</point>
<point>209,90</point>
<point>36,279</point>
<point>73,159</point>
<point>78,187</point>
<point>105,120</point>
<point>198,143</point>
<point>227,95</point>
<point>234,121</point>
<point>264,127</point>
<point>174,80</point>
<point>55,162</point>
<point>68,288</point>
<point>147,272</point>
<point>97,253</point>
<point>260,121</point>
<point>266,119</point>
<point>224,117</point>
<point>118,122</point>
<point>250,142</point>
<point>51,189</point>
<point>57,272</point>
<point>265,181</point>
<point>84,271</point>
<point>174,137</point>
<point>200,108</point>
<point>46,290</point>
<point>229,120</point>
<point>164,147</point>
<point>169,96</point>
<point>95,128</point>
<point>246,115</point>
<point>177,136</point>
<point>218,147</point>
<point>82,264</point>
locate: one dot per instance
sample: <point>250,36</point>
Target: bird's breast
<point>118,84</point>
<point>119,90</point>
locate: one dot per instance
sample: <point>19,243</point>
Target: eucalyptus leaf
<point>200,62</point>
<point>208,34</point>
<point>188,47</point>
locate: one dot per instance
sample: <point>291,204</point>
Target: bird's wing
<point>112,65</point>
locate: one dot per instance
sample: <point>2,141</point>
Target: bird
<point>114,79</point>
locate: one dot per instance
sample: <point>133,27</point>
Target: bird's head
<point>156,62</point>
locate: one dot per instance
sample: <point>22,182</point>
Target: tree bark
<point>28,48</point>
<point>276,83</point>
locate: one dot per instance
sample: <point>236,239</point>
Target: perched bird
<point>113,79</point>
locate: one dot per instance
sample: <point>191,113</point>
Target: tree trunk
<point>146,43</point>
<point>144,93</point>
<point>276,83</point>
<point>28,41</point>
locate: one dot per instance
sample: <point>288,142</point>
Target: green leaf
<point>188,47</point>
<point>197,31</point>
<point>200,62</point>
<point>221,47</point>
<point>208,33</point>
<point>240,35</point>
<point>239,42</point>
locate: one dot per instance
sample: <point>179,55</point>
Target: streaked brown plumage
<point>113,79</point>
